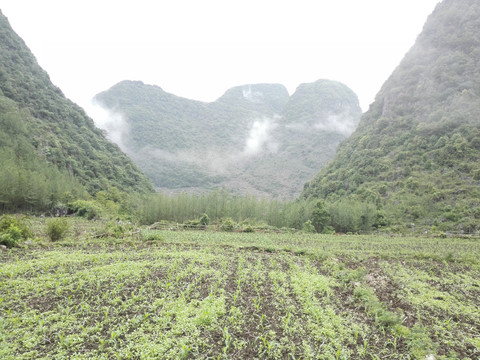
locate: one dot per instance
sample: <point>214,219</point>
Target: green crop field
<point>214,295</point>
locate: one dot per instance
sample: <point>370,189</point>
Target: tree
<point>320,216</point>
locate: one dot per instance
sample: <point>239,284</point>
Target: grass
<point>207,295</point>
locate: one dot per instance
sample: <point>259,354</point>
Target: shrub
<point>118,229</point>
<point>194,224</point>
<point>227,224</point>
<point>328,230</point>
<point>308,227</point>
<point>248,229</point>
<point>380,220</point>
<point>12,230</point>
<point>11,236</point>
<point>86,209</point>
<point>60,209</point>
<point>57,228</point>
<point>205,220</point>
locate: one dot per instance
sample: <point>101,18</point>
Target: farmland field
<point>199,295</point>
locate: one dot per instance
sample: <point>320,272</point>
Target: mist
<point>343,124</point>
<point>215,161</point>
<point>259,137</point>
<point>112,122</point>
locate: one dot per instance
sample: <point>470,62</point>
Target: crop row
<point>237,296</point>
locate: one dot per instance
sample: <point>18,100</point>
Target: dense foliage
<point>27,180</point>
<point>13,230</point>
<point>47,143</point>
<point>416,152</point>
<point>244,211</point>
<point>219,205</point>
<point>253,139</point>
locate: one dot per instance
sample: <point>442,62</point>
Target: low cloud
<point>216,161</point>
<point>260,138</point>
<point>221,161</point>
<point>342,124</point>
<point>112,122</point>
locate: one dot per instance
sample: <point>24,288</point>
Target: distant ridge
<point>255,139</point>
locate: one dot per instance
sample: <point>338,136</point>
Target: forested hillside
<point>48,145</point>
<point>416,152</point>
<point>255,139</point>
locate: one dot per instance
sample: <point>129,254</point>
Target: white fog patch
<point>112,122</point>
<point>259,137</point>
<point>342,124</point>
<point>222,161</point>
<point>219,164</point>
<point>214,161</point>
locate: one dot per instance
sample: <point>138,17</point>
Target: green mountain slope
<point>44,134</point>
<point>253,139</point>
<point>416,152</point>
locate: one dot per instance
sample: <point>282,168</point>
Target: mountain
<point>416,151</point>
<point>46,139</point>
<point>254,139</point>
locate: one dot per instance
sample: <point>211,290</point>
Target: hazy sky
<point>199,49</point>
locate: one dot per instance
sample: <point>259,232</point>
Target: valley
<point>262,225</point>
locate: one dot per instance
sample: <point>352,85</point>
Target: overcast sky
<point>199,49</point>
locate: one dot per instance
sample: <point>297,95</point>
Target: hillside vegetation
<point>416,152</point>
<point>48,145</point>
<point>255,139</point>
